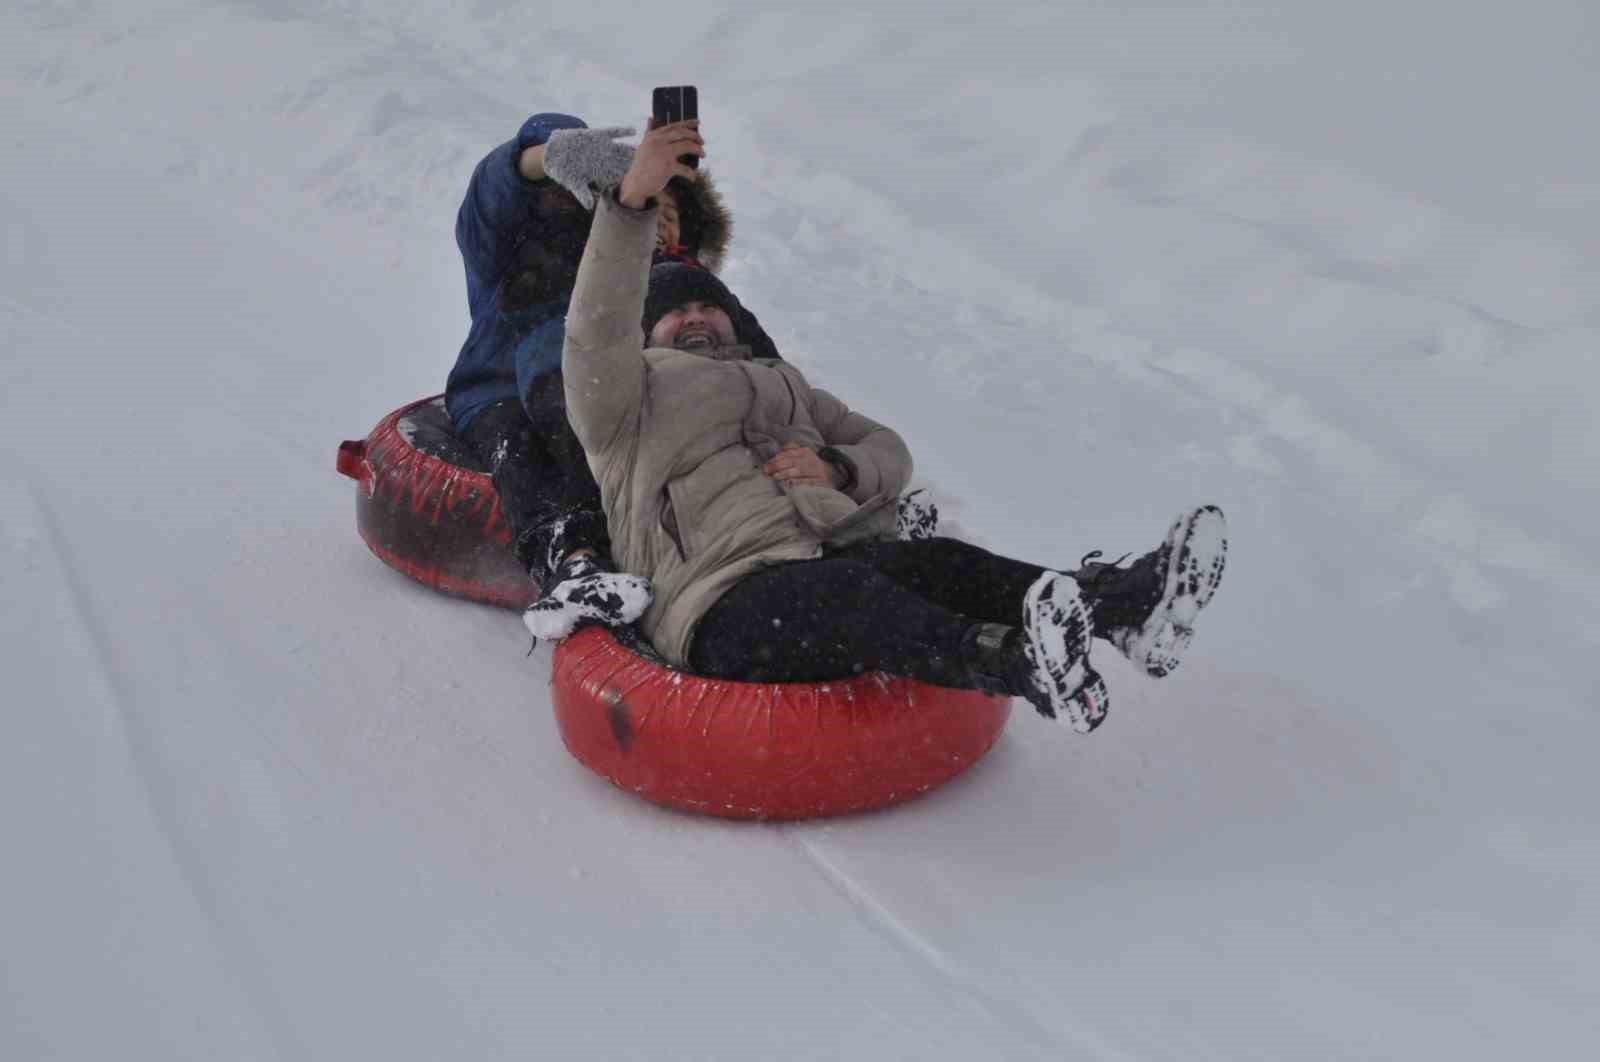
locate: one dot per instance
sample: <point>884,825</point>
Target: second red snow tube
<point>426,507</point>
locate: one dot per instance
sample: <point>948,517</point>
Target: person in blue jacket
<point>521,230</point>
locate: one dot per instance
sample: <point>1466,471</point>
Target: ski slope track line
<point>232,945</point>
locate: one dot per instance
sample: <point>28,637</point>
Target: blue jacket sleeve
<point>539,352</point>
<point>497,201</point>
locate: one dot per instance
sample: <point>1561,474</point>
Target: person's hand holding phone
<point>655,161</point>
<point>675,103</point>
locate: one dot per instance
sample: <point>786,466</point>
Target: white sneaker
<point>916,517</point>
<point>1148,608</point>
<point>1056,628</point>
<point>584,592</point>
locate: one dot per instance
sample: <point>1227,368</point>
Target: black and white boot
<point>1056,628</point>
<point>1147,608</point>
<point>1046,659</point>
<point>585,590</point>
<point>916,516</point>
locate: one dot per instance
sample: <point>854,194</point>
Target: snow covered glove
<point>1147,609</point>
<point>916,517</point>
<point>586,592</point>
<point>586,161</point>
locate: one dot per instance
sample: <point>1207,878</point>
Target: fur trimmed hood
<point>545,259</point>
<point>705,226</point>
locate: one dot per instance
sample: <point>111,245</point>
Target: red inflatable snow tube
<point>426,507</point>
<point>738,750</point>
<point>747,750</point>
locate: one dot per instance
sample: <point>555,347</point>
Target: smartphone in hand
<point>676,103</point>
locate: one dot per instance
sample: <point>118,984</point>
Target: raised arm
<point>501,192</point>
<point>602,362</point>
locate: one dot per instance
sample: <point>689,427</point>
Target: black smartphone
<point>676,103</point>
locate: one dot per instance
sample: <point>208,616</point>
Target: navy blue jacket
<point>505,352</point>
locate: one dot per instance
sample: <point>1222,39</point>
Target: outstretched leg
<point>550,502</point>
<point>838,616</point>
<point>958,575</point>
<point>807,621</point>
<point>553,505</point>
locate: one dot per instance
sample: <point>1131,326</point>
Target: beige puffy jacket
<point>676,441</point>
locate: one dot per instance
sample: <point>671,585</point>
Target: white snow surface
<point>1332,267</point>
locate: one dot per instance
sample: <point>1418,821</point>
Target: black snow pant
<point>539,470</point>
<point>899,607</point>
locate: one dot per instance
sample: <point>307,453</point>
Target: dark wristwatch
<point>837,459</point>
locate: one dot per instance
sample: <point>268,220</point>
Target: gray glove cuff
<point>586,161</point>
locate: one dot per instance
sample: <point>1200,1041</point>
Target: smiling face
<point>668,231</point>
<point>693,326</point>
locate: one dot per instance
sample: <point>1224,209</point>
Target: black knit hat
<point>674,282</point>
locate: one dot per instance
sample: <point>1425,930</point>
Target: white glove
<point>586,161</point>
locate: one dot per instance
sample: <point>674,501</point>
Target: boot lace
<point>1118,595</point>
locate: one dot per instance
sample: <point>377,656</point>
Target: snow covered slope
<point>1332,268</point>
